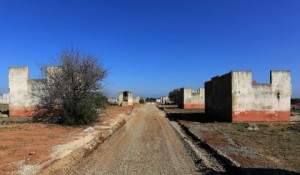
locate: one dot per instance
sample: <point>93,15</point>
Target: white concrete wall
<point>4,98</point>
<point>281,85</point>
<point>191,96</point>
<point>22,92</point>
<point>120,98</point>
<point>18,87</point>
<point>125,100</point>
<point>249,96</point>
<point>136,99</point>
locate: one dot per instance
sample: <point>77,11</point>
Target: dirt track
<point>147,144</point>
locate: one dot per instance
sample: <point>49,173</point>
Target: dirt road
<point>147,144</point>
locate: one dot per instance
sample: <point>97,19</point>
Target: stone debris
<point>89,130</point>
<point>251,126</point>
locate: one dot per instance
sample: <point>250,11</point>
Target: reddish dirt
<point>214,138</point>
<point>249,161</point>
<point>33,141</point>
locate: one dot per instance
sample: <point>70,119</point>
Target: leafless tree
<point>72,91</point>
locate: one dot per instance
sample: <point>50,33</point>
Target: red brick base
<point>261,116</point>
<point>194,106</point>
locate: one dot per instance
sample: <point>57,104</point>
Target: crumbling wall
<point>236,97</point>
<point>136,99</point>
<point>191,99</point>
<point>23,92</point>
<point>261,102</point>
<point>164,100</point>
<point>125,98</point>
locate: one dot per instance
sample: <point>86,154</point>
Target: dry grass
<point>278,141</point>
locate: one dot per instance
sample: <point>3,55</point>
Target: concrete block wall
<point>244,100</point>
<point>191,99</point>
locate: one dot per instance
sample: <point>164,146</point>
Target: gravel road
<point>147,144</point>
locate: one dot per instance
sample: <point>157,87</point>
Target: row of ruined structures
<point>236,97</point>
<point>21,99</point>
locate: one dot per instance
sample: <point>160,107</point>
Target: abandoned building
<point>125,98</point>
<point>236,97</point>
<point>22,90</point>
<point>136,99</point>
<point>164,100</point>
<point>191,99</point>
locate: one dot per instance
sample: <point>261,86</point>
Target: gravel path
<point>147,144</point>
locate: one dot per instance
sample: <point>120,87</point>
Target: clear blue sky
<point>154,46</point>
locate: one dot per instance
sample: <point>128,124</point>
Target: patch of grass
<point>280,140</point>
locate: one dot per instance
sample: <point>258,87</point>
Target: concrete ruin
<point>125,98</point>
<point>23,91</point>
<point>4,98</point>
<point>164,100</point>
<point>191,99</point>
<point>236,97</point>
<point>136,99</point>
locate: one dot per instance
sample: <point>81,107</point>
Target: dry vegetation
<point>274,145</point>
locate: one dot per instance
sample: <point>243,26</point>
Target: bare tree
<point>72,91</point>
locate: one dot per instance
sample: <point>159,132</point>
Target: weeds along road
<point>147,144</point>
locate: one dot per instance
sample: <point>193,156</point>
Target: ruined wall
<point>125,98</point>
<point>218,99</point>
<point>164,100</point>
<point>136,99</point>
<point>191,99</point>
<point>4,98</point>
<point>236,97</point>
<point>22,92</point>
<point>261,102</point>
<point>20,98</point>
<point>120,98</point>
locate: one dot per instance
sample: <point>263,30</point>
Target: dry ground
<point>274,145</point>
<point>146,144</point>
<point>31,143</point>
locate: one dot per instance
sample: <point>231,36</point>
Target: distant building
<point>136,99</point>
<point>125,98</point>
<point>164,100</point>
<point>191,99</point>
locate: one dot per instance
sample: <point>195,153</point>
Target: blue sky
<point>151,47</point>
